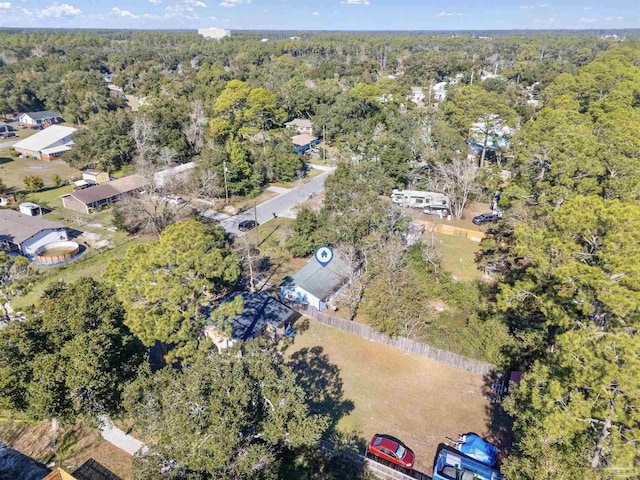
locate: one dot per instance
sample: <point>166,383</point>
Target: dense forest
<point>562,305</point>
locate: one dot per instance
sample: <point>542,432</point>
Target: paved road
<point>8,144</point>
<point>281,205</point>
<point>120,439</point>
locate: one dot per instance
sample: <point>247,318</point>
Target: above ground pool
<point>56,253</point>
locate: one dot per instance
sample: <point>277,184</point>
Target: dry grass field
<point>385,390</point>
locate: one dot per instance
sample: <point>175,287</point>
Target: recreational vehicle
<point>419,199</point>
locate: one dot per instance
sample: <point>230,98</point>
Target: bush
<point>33,183</point>
<point>57,180</point>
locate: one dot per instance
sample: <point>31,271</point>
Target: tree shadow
<point>321,381</point>
<point>500,423</point>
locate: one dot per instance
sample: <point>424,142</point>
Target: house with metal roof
<point>302,143</point>
<point>301,125</point>
<point>316,285</point>
<point>103,195</point>
<point>25,233</point>
<point>45,117</point>
<point>48,144</point>
<point>262,317</point>
<point>164,178</point>
<point>89,470</point>
<point>17,466</point>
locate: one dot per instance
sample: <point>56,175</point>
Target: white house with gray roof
<point>316,285</point>
<point>45,117</point>
<point>25,233</point>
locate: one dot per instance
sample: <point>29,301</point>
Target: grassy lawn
<point>13,170</point>
<point>245,203</point>
<point>91,264</point>
<point>75,446</point>
<point>379,389</point>
<point>311,174</point>
<point>273,236</point>
<point>458,256</point>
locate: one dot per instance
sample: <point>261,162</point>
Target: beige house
<point>301,125</point>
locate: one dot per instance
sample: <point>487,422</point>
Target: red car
<point>391,449</point>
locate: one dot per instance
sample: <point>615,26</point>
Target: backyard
<point>385,390</point>
<point>13,170</point>
<point>74,445</point>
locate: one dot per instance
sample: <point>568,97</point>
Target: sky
<point>322,14</point>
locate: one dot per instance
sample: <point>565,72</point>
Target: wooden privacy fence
<point>402,343</point>
<point>473,235</point>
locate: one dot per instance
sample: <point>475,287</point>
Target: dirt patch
<point>413,398</point>
<point>14,171</point>
<point>74,445</point>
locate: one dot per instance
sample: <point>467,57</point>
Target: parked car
<point>175,200</point>
<point>392,450</point>
<point>7,134</point>
<point>247,225</point>
<point>485,218</point>
<point>37,127</point>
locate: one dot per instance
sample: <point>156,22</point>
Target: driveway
<point>282,205</point>
<point>8,144</point>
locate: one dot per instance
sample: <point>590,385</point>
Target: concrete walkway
<point>118,438</point>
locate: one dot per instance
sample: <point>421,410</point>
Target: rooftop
<point>16,466</point>
<point>92,470</point>
<point>111,189</point>
<point>260,310</point>
<point>44,138</point>
<point>299,122</point>
<point>319,281</point>
<point>16,227</point>
<point>41,115</point>
<point>304,139</point>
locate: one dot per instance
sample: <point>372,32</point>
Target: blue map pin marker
<point>324,255</point>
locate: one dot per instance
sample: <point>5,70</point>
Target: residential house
<point>301,125</point>
<point>302,143</point>
<point>214,33</point>
<point>417,95</point>
<point>439,92</point>
<point>89,470</point>
<point>102,195</point>
<point>262,317</point>
<point>316,285</point>
<point>49,144</point>
<point>46,117</point>
<point>17,466</point>
<point>97,177</point>
<point>25,234</point>
<point>491,129</point>
<point>164,178</point>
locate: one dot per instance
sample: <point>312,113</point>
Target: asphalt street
<point>282,205</point>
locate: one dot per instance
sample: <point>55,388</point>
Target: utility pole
<point>472,72</point>
<point>226,188</point>
<point>430,88</point>
<point>324,144</point>
<point>255,217</point>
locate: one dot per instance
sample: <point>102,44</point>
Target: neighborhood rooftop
<point>321,281</point>
<point>259,311</point>
<point>112,189</point>
<point>44,139</point>
<point>304,139</point>
<point>41,115</point>
<point>299,122</point>
<point>17,227</point>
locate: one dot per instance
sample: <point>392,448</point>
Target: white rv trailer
<point>419,199</point>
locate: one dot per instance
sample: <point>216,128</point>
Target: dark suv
<point>247,225</point>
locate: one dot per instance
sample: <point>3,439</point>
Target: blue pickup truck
<point>451,464</point>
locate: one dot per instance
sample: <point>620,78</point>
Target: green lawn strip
<point>92,264</point>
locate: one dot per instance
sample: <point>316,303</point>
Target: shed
<point>316,285</point>
<point>303,142</point>
<point>95,176</point>
<point>262,317</point>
